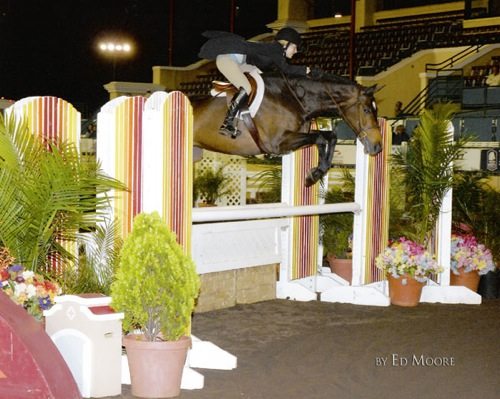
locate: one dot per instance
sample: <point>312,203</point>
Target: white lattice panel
<point>234,168</point>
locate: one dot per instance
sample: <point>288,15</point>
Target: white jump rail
<point>268,211</point>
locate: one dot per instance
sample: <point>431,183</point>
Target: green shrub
<point>156,283</point>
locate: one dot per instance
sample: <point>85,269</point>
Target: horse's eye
<point>367,110</point>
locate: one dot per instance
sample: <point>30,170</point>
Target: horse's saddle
<point>227,89</point>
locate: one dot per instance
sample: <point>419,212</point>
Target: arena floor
<point>315,350</point>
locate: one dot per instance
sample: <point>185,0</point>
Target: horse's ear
<point>373,89</point>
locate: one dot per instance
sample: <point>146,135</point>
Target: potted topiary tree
<point>156,286</point>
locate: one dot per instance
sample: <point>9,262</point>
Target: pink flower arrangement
<point>403,256</point>
<point>467,254</point>
<point>28,289</point>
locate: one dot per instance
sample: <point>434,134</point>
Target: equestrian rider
<point>231,51</point>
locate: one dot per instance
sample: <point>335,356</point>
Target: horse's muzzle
<point>372,147</point>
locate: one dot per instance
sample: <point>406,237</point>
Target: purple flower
<point>45,303</point>
<point>467,254</point>
<point>16,268</point>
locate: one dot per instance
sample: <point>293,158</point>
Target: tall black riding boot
<point>229,127</point>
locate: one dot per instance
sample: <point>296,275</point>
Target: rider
<point>232,51</point>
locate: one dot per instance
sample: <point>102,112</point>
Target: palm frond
<point>426,166</point>
<point>269,184</point>
<point>100,250</point>
<point>48,193</point>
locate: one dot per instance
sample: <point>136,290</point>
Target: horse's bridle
<point>362,132</point>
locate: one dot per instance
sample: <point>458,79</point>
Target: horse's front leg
<point>325,141</point>
<point>326,149</point>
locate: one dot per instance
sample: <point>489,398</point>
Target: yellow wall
<point>402,82</point>
<point>171,77</point>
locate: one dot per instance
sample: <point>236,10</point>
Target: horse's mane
<point>276,76</point>
<point>330,77</point>
<point>325,77</point>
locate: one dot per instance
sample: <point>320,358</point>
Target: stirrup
<point>229,130</point>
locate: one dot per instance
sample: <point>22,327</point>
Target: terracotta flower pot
<point>405,290</point>
<point>156,367</point>
<point>469,280</point>
<point>341,267</point>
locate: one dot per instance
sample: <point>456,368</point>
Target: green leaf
<point>48,194</point>
<point>425,167</point>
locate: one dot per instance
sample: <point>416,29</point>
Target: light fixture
<point>115,50</point>
<point>115,47</point>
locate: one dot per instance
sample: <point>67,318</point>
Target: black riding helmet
<point>290,35</point>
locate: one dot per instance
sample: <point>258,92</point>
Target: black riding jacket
<point>265,56</point>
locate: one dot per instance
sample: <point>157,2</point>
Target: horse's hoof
<point>313,176</point>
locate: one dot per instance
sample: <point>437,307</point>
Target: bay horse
<point>284,117</point>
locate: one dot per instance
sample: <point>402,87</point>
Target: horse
<point>282,122</point>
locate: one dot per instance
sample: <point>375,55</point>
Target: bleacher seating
<point>377,47</point>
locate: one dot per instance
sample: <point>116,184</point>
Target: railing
<point>429,92</point>
<point>448,63</point>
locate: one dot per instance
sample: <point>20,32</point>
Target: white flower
<point>28,274</point>
<point>31,291</point>
<point>19,289</point>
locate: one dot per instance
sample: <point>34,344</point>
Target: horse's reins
<point>294,94</point>
<point>362,133</point>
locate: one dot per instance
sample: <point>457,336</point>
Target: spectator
<point>399,135</point>
<point>91,132</point>
<point>494,77</point>
<point>398,108</point>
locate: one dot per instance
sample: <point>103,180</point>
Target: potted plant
<point>99,253</point>
<point>475,212</point>
<point>30,290</point>
<point>269,184</point>
<point>336,229</point>
<point>49,193</point>
<point>469,260</point>
<point>209,185</point>
<point>155,286</point>
<point>424,168</point>
<point>407,266</point>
